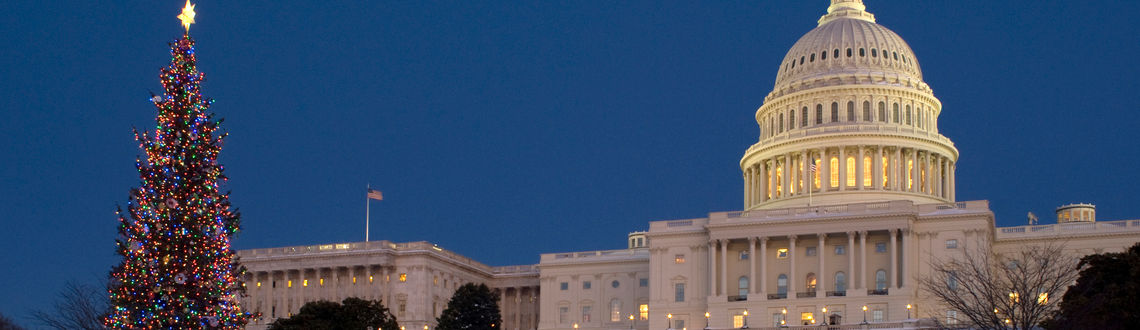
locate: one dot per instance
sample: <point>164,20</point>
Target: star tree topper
<point>187,16</point>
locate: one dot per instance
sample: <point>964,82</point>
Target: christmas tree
<point>178,270</point>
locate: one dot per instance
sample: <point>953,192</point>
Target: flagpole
<point>367,213</point>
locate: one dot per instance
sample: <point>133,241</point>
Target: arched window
<point>803,118</point>
<point>615,310</point>
<point>743,286</point>
<point>818,114</point>
<point>867,167</point>
<point>823,55</point>
<point>909,174</point>
<point>835,53</point>
<point>862,52</point>
<point>874,52</point>
<point>782,284</point>
<point>882,112</point>
<point>812,58</point>
<point>809,283</point>
<point>848,52</point>
<point>781,123</point>
<point>850,110</point>
<point>866,110</point>
<point>793,64</point>
<point>840,281</point>
<point>851,175</point>
<point>886,165</point>
<point>918,113</point>
<point>834,112</point>
<point>801,60</point>
<point>896,55</point>
<point>908,121</point>
<point>895,117</point>
<point>779,180</point>
<point>834,172</point>
<point>818,167</point>
<point>880,280</point>
<point>791,119</point>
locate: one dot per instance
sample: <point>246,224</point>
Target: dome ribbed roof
<point>863,48</point>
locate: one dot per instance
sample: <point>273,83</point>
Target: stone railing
<point>1068,229</point>
<point>899,206</point>
<point>594,255</point>
<point>317,249</point>
<point>846,127</point>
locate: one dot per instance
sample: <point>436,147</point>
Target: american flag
<point>375,194</point>
<point>813,167</point>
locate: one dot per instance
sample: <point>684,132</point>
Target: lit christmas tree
<point>178,271</point>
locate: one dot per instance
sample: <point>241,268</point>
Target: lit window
<point>354,280</point>
<point>810,251</point>
<point>679,292</point>
<point>403,277</point>
<point>289,284</point>
<point>951,244</point>
<point>815,176</point>
<point>880,247</point>
<point>867,167</point>
<point>615,310</point>
<point>886,165</point>
<point>779,180</point>
<point>304,283</point>
<point>643,311</point>
<point>322,283</point>
<point>834,172</point>
<point>840,250</point>
<point>435,280</point>
<point>851,171</point>
<point>586,285</point>
<point>679,259</point>
<point>782,253</point>
<point>909,176</point>
<point>738,321</point>
<point>809,282</point>
<point>564,286</point>
<point>1043,298</point>
<point>369,278</point>
<point>807,318</point>
<point>259,284</point>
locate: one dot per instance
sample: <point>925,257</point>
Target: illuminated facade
<point>849,193</point>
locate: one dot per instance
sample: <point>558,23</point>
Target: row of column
<point>718,274</point>
<point>908,170</point>
<point>512,307</point>
<point>277,293</point>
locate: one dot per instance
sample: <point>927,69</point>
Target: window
<point>737,321</point>
<point>782,284</point>
<point>586,285</point>
<point>815,176</point>
<point>867,166</point>
<point>403,277</point>
<point>840,250</point>
<point>818,114</point>
<point>809,282</point>
<point>679,292</point>
<point>835,53</point>
<point>743,255</point>
<point>782,122</point>
<point>777,319</point>
<point>823,55</point>
<point>886,177</point>
<point>896,55</point>
<point>643,311</point>
<point>812,58</point>
<point>801,60</point>
<point>834,172</point>
<point>586,310</point>
<point>679,259</point>
<point>848,52</point>
<point>791,119</point>
<point>952,280</point>
<point>834,112</point>
<point>562,314</point>
<point>877,315</point>
<point>882,112</point>
<point>880,280</point>
<point>880,247</point>
<point>803,118</point>
<point>862,52</point>
<point>807,318</point>
<point>951,244</point>
<point>851,171</point>
<point>840,281</point>
<point>743,286</point>
<point>909,171</point>
<point>615,310</point>
<point>850,111</point>
<point>951,317</point>
<point>781,253</point>
<point>874,52</point>
<point>895,117</point>
<point>679,324</point>
<point>643,282</point>
<point>866,110</point>
<point>563,286</point>
<point>810,251</point>
<point>615,284</point>
<point>908,121</point>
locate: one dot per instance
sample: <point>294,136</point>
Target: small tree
<point>1018,290</point>
<point>472,307</point>
<point>78,306</point>
<point>352,314</point>
<point>1105,295</point>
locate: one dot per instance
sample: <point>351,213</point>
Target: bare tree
<point>1016,290</point>
<point>7,323</point>
<point>78,306</point>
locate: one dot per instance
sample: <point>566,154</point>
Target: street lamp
<point>745,325</point>
<point>575,326</point>
<point>824,320</point>
<point>784,318</point>
<point>864,314</point>
<point>669,320</point>
<point>706,320</point>
<point>630,321</point>
<point>908,307</point>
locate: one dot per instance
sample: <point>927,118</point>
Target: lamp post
<point>823,322</point>
<point>669,320</point>
<point>864,314</point>
<point>575,326</point>
<point>784,318</point>
<point>745,325</point>
<point>630,321</point>
<point>706,320</point>
<point>908,307</point>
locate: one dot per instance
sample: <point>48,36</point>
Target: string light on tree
<point>178,270</point>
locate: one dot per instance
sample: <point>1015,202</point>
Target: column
<point>863,260</point>
<point>752,263</point>
<point>842,168</point>
<point>821,285</point>
<point>806,167</point>
<point>859,170</point>
<point>905,267</point>
<point>953,187</point>
<point>792,267</point>
<point>850,262</point>
<point>764,266</point>
<point>894,258</point>
<point>787,175</point>
<point>771,179</point>
<point>387,284</point>
<point>336,284</point>
<point>518,309</point>
<point>712,267</point>
<point>747,187</point>
<point>763,182</point>
<point>824,170</point>
<point>724,267</point>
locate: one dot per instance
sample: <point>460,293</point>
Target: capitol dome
<point>849,99</point>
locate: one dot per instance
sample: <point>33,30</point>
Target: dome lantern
<point>853,9</point>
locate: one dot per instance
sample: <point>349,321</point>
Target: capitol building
<point>848,195</point>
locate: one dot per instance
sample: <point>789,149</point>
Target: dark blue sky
<point>506,129</point>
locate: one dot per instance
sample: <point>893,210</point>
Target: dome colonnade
<point>849,99</point>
